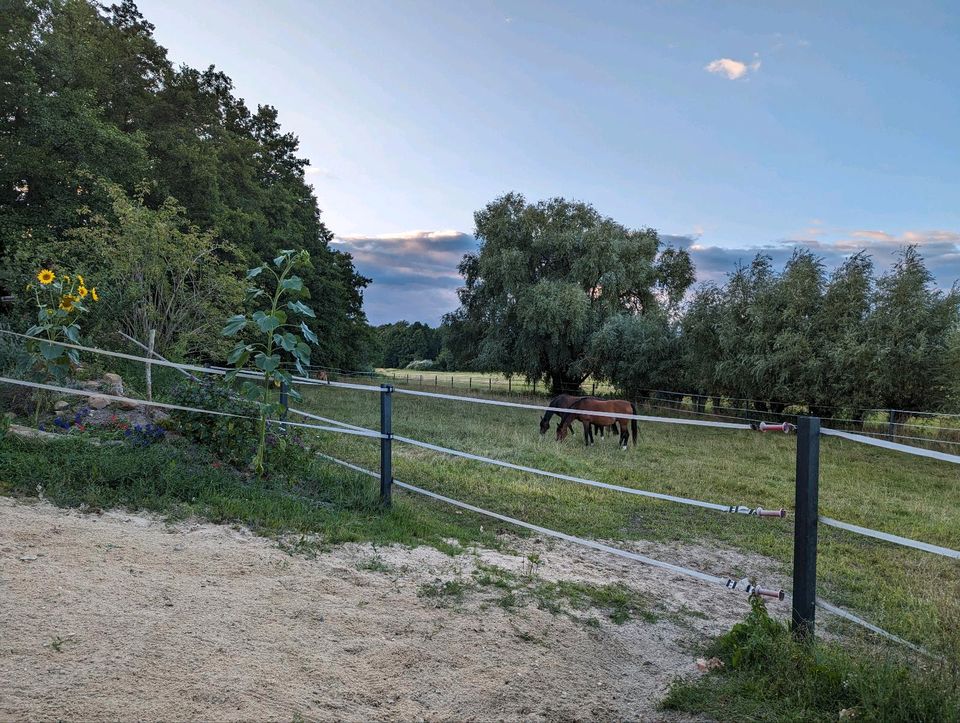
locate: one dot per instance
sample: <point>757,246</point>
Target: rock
<point>129,406</point>
<point>98,402</point>
<point>61,405</point>
<point>114,382</point>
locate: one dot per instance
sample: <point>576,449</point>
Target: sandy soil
<point>121,616</point>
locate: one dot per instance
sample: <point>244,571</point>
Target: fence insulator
<point>760,512</point>
<point>764,592</point>
<point>784,427</point>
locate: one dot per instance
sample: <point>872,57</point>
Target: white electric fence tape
<point>896,539</point>
<point>918,451</point>
<point>178,407</point>
<point>728,583</point>
<point>569,478</point>
<point>713,579</point>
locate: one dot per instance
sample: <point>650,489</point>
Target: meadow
<point>910,593</point>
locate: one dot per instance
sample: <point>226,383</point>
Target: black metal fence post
<point>284,400</point>
<point>805,527</point>
<point>386,445</point>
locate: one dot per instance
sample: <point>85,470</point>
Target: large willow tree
<point>550,276</point>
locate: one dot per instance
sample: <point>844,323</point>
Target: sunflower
<point>66,302</point>
<point>46,276</point>
<point>82,290</point>
<point>80,279</point>
<point>93,293</point>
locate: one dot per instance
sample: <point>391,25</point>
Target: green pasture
<point>911,593</point>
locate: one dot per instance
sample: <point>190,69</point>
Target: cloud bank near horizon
<point>415,272</point>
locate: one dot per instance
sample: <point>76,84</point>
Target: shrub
<point>231,439</point>
<point>420,364</point>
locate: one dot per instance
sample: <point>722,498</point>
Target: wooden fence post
<point>150,344</point>
<point>386,445</point>
<point>284,399</point>
<point>805,528</point>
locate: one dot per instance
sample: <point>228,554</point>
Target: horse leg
<point>587,434</point>
<point>624,435</point>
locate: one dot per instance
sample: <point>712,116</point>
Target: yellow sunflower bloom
<point>80,279</point>
<point>93,293</point>
<point>66,302</point>
<point>46,276</point>
<point>82,290</point>
<point>66,279</point>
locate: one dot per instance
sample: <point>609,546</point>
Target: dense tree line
<point>104,138</point>
<point>400,343</point>
<point>558,293</point>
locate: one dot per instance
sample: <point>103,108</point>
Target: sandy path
<point>120,616</point>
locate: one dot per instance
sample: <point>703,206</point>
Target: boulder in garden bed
<point>97,402</point>
<point>114,383</point>
<point>61,405</point>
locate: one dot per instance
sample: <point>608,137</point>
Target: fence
<point>931,429</point>
<point>807,519</point>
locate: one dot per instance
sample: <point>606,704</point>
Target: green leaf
<point>302,352</point>
<point>50,351</point>
<point>73,333</point>
<point>303,372</point>
<point>231,375</point>
<point>234,325</point>
<point>287,341</point>
<point>34,330</point>
<point>254,272</point>
<point>308,333</point>
<point>252,392</point>
<point>298,307</point>
<point>267,363</point>
<point>294,283</point>
<point>238,357</point>
<point>280,260</point>
<point>267,322</point>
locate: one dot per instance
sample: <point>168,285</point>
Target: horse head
<point>545,423</point>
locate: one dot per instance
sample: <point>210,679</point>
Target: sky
<point>730,127</point>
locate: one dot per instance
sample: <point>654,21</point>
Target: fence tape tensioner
<point>751,589</point>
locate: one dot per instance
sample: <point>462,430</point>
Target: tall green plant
<point>277,339</point>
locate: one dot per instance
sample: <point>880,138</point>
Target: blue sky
<point>731,127</point>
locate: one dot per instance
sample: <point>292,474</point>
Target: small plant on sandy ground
<point>279,339</point>
<point>61,300</point>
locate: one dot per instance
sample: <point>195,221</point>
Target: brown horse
<point>563,401</point>
<point>613,406</point>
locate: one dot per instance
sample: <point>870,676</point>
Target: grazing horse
<point>563,401</point>
<point>588,404</point>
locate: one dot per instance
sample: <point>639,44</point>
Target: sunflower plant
<point>280,324</point>
<point>61,300</point>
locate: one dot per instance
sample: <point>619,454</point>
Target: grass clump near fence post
<point>761,673</point>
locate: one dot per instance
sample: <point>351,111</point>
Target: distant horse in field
<point>563,401</point>
<point>592,404</point>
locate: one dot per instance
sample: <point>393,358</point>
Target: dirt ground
<point>118,616</point>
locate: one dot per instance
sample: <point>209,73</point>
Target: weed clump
<point>764,674</point>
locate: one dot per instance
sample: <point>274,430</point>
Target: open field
<point>477,381</point>
<point>913,594</point>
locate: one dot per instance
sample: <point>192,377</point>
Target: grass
<point>459,382</point>
<point>767,676</point>
<point>913,594</point>
<point>327,506</point>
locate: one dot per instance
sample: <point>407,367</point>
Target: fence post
<point>150,343</point>
<point>471,382</point>
<point>284,399</point>
<point>386,445</point>
<point>509,384</point>
<point>490,383</point>
<point>805,527</point>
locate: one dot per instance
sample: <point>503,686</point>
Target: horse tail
<point>633,423</point>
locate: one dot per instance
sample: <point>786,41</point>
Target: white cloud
<point>733,69</point>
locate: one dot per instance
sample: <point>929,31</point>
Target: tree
<point>546,279</point>
<point>911,328</point>
<point>88,93</point>
<point>156,271</point>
